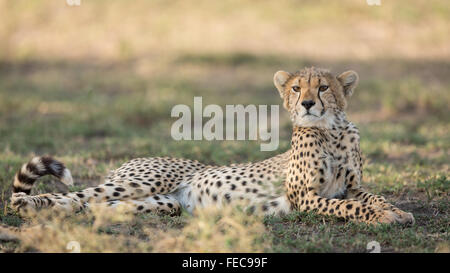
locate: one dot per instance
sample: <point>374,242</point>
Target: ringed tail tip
<point>37,167</point>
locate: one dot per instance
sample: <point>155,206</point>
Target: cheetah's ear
<point>279,79</point>
<point>349,80</point>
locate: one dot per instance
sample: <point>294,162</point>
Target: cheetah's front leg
<point>354,191</point>
<point>380,201</point>
<point>347,209</point>
<point>303,188</point>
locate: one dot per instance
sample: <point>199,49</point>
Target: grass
<point>95,99</point>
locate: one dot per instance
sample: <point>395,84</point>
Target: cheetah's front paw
<point>401,216</point>
<point>385,217</point>
<point>404,217</point>
<point>392,217</point>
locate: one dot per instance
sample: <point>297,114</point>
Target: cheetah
<point>325,164</point>
<point>321,172</point>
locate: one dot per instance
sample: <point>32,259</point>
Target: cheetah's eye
<point>295,88</point>
<point>323,88</point>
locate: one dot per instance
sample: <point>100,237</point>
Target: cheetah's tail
<point>37,167</point>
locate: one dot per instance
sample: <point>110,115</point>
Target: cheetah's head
<point>312,95</point>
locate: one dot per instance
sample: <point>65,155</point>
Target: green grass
<point>107,99</point>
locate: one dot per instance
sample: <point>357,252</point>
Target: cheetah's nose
<point>308,104</point>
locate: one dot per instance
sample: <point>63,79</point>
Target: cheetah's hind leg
<point>159,203</point>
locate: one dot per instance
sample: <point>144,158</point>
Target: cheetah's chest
<point>334,187</point>
<point>342,156</point>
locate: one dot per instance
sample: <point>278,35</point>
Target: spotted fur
<point>321,172</point>
<point>325,166</point>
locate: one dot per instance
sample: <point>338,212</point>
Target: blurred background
<point>94,84</point>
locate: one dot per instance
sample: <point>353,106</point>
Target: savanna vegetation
<point>94,85</point>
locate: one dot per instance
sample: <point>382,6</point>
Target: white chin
<point>313,121</point>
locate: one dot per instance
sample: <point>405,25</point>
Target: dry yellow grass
<point>211,230</point>
<point>228,229</point>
